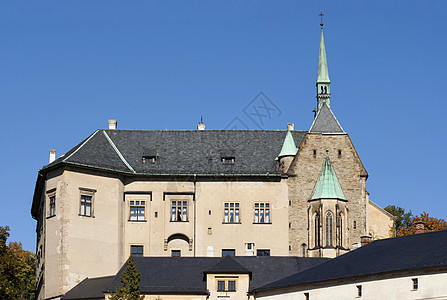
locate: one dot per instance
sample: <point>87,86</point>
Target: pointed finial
<point>201,119</point>
<point>321,16</point>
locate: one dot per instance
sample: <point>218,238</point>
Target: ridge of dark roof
<point>326,122</point>
<point>89,288</point>
<point>227,265</point>
<point>180,151</point>
<point>413,252</point>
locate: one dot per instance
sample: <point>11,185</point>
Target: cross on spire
<point>321,16</point>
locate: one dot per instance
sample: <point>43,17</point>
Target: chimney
<point>290,126</point>
<point>112,124</point>
<point>419,227</point>
<point>365,239</point>
<point>201,125</point>
<point>52,155</point>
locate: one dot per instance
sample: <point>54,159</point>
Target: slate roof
<point>180,151</point>
<point>227,265</point>
<point>89,288</point>
<point>402,254</point>
<point>187,275</point>
<point>325,122</point>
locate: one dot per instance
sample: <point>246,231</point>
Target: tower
<point>323,81</point>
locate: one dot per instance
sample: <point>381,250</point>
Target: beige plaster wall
<point>242,286</point>
<point>380,222</point>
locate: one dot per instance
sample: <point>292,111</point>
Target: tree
<point>430,223</point>
<point>130,283</point>
<point>403,221</point>
<point>17,277</point>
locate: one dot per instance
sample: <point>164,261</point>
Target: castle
<point>201,193</point>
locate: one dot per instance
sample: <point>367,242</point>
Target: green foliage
<point>130,283</point>
<point>17,277</point>
<point>403,221</point>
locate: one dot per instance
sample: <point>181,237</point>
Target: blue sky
<point>66,67</point>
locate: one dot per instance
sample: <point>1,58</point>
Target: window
<point>176,253</point>
<point>359,291</point>
<point>228,160</point>
<point>231,212</point>
<point>340,229</point>
<point>262,212</point>
<point>355,225</point>
<point>249,246</point>
<point>221,285</point>
<point>415,284</point>
<point>86,206</point>
<point>304,248</point>
<point>315,153</point>
<point>263,252</point>
<point>317,230</point>
<point>339,153</point>
<point>149,159</point>
<point>329,229</point>
<point>231,285</point>
<point>230,252</point>
<point>137,210</point>
<point>52,206</point>
<point>306,296</point>
<point>136,250</point>
<point>179,211</point>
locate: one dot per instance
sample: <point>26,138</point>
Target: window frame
<point>86,192</point>
<point>228,160</point>
<point>227,285</point>
<point>359,291</point>
<point>137,204</point>
<point>229,251</point>
<point>51,205</point>
<point>179,251</point>
<point>262,252</point>
<point>264,217</point>
<point>184,211</point>
<point>230,217</point>
<point>139,246</point>
<point>415,284</point>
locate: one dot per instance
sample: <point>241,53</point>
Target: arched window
<point>322,90</point>
<point>303,248</point>
<point>325,90</point>
<point>329,229</point>
<point>317,230</point>
<point>340,230</point>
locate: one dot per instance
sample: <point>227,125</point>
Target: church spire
<point>323,81</point>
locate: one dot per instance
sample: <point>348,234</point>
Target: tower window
<point>315,153</point>
<point>329,229</point>
<point>355,225</point>
<point>339,153</point>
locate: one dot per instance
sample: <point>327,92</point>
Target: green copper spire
<point>323,81</point>
<point>288,147</point>
<point>327,186</point>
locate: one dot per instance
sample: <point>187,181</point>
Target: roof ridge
<point>117,151</point>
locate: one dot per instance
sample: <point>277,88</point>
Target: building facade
<point>201,193</point>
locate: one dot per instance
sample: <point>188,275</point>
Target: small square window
<point>136,250</point>
<point>359,291</point>
<point>230,252</point>
<point>176,253</point>
<point>415,284</point>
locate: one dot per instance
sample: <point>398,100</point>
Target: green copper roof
<point>327,186</point>
<point>323,74</point>
<point>288,147</point>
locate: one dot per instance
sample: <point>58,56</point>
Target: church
<point>202,193</point>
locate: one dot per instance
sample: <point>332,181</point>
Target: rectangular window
<point>52,206</point>
<point>306,296</point>
<point>149,159</point>
<point>263,252</point>
<point>415,284</point>
<point>221,286</point>
<point>86,206</point>
<point>179,211</point>
<point>231,212</point>
<point>176,253</point>
<point>359,291</point>
<point>136,250</point>
<point>228,160</point>
<point>231,285</point>
<point>137,210</point>
<point>262,212</point>
<point>230,252</point>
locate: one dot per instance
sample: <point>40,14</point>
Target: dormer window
<point>149,159</point>
<point>229,160</point>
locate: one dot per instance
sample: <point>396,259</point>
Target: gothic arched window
<point>329,229</point>
<point>340,230</point>
<point>317,230</point>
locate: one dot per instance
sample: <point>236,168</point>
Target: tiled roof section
<point>181,152</point>
<point>89,288</point>
<point>187,274</point>
<point>325,121</point>
<point>327,185</point>
<point>413,252</point>
<point>227,265</point>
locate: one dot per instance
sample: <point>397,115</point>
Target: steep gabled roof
<point>326,122</point>
<point>388,256</point>
<point>180,151</point>
<point>327,185</point>
<point>227,265</point>
<point>288,147</point>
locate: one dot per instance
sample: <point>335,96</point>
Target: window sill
<point>86,216</point>
<point>265,223</point>
<point>49,217</point>
<point>231,223</point>
<point>137,221</point>
<point>179,221</point>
